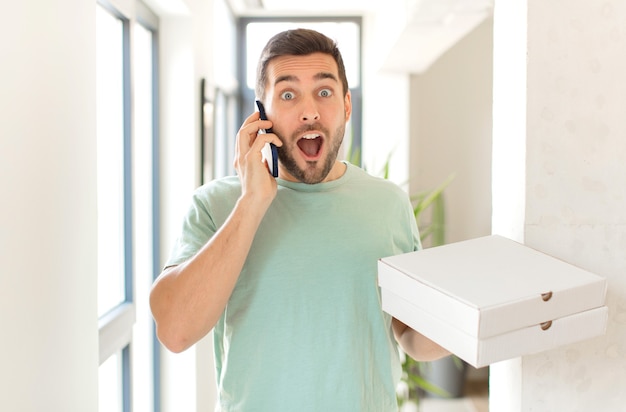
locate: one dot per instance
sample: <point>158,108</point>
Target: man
<point>284,270</point>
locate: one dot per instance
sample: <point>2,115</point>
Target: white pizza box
<point>490,299</point>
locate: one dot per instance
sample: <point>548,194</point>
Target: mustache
<point>309,128</point>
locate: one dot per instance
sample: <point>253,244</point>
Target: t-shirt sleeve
<point>197,228</point>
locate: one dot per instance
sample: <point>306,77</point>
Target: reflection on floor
<point>476,399</point>
<point>478,392</point>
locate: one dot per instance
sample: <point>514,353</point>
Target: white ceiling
<point>294,7</point>
<point>428,27</point>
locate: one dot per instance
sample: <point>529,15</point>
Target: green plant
<point>416,384</point>
<point>431,226</point>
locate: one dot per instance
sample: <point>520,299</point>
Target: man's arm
<point>416,345</point>
<point>187,300</point>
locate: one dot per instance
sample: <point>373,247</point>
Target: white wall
<point>451,130</point>
<point>49,345</point>
<point>575,182</point>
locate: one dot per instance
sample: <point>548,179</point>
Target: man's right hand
<point>256,180</point>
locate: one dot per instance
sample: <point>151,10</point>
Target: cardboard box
<point>491,299</point>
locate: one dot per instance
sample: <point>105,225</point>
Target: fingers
<point>257,183</point>
<point>250,142</point>
<point>250,129</point>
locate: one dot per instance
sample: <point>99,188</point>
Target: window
<point>111,114</point>
<point>253,33</point>
<point>110,396</point>
<point>115,309</point>
<point>127,188</point>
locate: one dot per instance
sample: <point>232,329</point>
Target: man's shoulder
<point>363,177</point>
<point>224,186</point>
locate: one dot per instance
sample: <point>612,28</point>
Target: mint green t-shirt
<point>303,329</point>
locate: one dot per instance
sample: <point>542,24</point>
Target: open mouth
<point>310,145</point>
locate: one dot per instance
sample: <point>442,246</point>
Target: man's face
<point>305,102</point>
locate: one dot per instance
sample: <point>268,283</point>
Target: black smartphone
<point>270,152</point>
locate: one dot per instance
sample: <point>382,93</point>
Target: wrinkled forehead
<point>316,66</point>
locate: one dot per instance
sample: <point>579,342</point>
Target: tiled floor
<point>476,400</point>
<point>447,405</point>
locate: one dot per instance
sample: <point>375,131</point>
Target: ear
<point>347,102</point>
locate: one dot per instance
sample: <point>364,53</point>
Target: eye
<point>287,96</point>
<point>325,93</point>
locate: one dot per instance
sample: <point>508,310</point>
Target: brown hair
<point>298,42</point>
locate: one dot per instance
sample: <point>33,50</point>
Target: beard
<point>314,171</point>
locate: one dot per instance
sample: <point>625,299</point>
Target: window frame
<point>116,325</point>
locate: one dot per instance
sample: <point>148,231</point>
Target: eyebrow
<point>318,76</point>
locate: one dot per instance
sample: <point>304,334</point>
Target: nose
<point>309,111</point>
